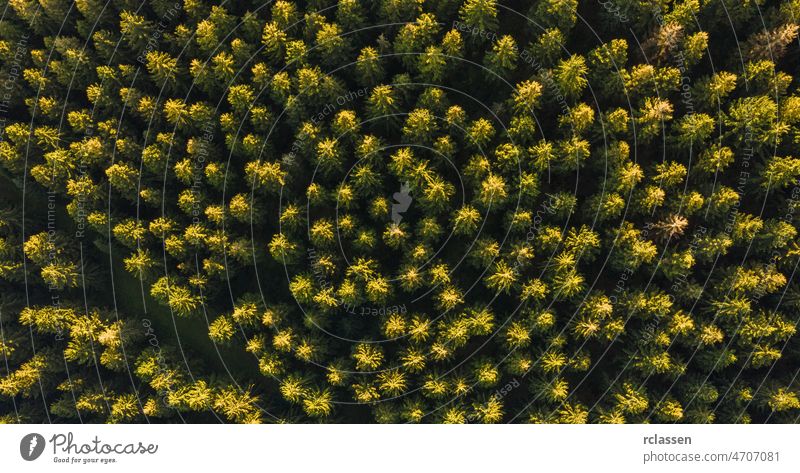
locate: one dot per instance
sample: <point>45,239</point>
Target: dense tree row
<point>401,211</point>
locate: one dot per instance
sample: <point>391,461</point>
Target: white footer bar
<point>399,448</point>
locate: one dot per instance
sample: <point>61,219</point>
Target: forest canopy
<point>424,211</point>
